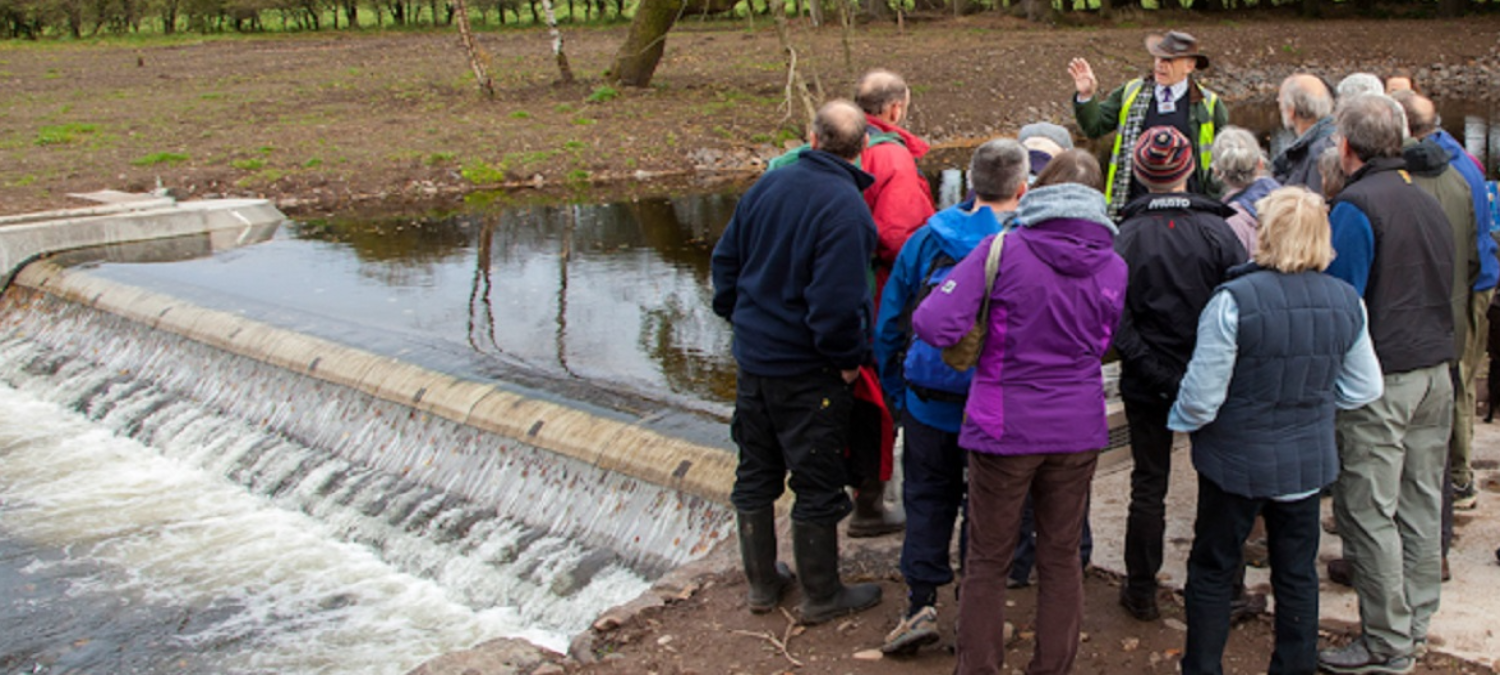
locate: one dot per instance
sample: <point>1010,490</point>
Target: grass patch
<point>577,176</point>
<point>575,146</point>
<point>312,163</point>
<point>254,164</point>
<point>64,134</point>
<point>157,158</point>
<point>584,122</point>
<point>603,94</point>
<point>438,158</point>
<point>481,173</point>
<point>520,115</point>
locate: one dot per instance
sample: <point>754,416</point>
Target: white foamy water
<point>289,595</point>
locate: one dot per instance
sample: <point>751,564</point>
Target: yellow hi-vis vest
<point>1205,134</point>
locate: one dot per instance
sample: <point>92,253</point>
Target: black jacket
<point>790,270</point>
<point>1411,274</point>
<point>1179,249</point>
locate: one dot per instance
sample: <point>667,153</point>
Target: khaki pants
<point>1477,331</point>
<point>1388,505</point>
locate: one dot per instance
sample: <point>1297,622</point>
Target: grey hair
<point>998,169</point>
<point>1358,84</point>
<point>878,89</point>
<point>1306,103</point>
<point>1238,160</point>
<point>1372,124</point>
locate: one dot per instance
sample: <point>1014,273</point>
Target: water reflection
<point>615,294</point>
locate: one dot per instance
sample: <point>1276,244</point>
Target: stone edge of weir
<point>607,444</point>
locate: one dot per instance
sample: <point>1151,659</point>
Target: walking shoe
<point>1143,609</point>
<point>871,517</point>
<point>1465,497</point>
<point>913,633</point>
<point>1355,659</point>
<point>1340,572</point>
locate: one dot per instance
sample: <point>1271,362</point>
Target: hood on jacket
<point>1067,227</point>
<point>916,146</point>
<point>958,231</point>
<point>1065,200</point>
<point>1252,194</point>
<point>1174,201</point>
<point>1425,157</point>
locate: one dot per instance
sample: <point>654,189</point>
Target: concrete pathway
<point>1467,624</point>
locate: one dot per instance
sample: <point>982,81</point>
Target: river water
<point>117,558</point>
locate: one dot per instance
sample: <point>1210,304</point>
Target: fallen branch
<point>780,644</point>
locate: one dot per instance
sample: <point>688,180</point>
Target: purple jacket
<point>1057,300</point>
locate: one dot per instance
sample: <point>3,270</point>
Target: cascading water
<point>293,524</point>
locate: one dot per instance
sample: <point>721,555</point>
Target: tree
<point>637,59</point>
<point>557,43</point>
<point>476,59</point>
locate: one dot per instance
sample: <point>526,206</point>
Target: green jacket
<point>1208,114</point>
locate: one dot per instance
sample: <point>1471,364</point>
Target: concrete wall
<point>22,238</point>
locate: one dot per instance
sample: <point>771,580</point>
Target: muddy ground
<point>320,121</point>
<point>325,122</point>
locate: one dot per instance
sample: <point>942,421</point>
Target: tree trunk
<point>797,94</point>
<point>815,10</point>
<point>636,62</point>
<point>564,71</point>
<point>476,58</point>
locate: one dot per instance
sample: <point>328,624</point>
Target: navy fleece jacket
<point>790,271</point>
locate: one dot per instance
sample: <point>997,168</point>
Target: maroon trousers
<point>1059,485</point>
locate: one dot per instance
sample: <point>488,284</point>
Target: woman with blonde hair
<point>1281,347</point>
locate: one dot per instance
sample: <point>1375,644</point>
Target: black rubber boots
<point>769,579</point>
<point>824,596</point>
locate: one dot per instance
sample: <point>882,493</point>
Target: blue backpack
<point>922,366</point>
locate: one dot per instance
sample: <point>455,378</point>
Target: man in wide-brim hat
<point>1169,96</point>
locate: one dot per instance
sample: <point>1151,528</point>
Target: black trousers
<point>1214,567</point>
<point>1145,527</point>
<point>798,425</point>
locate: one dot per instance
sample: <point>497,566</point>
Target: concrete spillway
<point>551,510</point>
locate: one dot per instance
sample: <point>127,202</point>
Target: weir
<point>507,497</point>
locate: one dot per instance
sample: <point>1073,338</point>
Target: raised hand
<point>1083,78</point>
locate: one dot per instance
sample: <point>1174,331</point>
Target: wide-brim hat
<point>1176,45</point>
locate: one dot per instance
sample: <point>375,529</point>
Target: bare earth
<point>318,121</point>
<point>322,122</point>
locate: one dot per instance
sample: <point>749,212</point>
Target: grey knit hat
<point>1049,131</point>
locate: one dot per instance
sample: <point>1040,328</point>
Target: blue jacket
<point>953,231</point>
<point>789,272</point>
<point>1489,265</point>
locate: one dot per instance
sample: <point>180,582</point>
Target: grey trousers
<point>1388,505</point>
<point>1477,330</point>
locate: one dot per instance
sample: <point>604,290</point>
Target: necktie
<point>1164,101</point>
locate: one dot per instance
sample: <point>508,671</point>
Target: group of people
<point>1313,321</point>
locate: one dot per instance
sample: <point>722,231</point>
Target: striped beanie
<point>1163,157</point>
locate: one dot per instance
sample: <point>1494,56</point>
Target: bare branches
<point>793,629</point>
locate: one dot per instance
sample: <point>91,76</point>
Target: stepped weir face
<point>186,488</point>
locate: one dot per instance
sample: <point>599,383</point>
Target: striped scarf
<point>1130,131</point>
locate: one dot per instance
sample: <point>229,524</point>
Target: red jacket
<point>900,200</point>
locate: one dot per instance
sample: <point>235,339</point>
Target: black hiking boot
<point>824,596</point>
<point>769,578</point>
